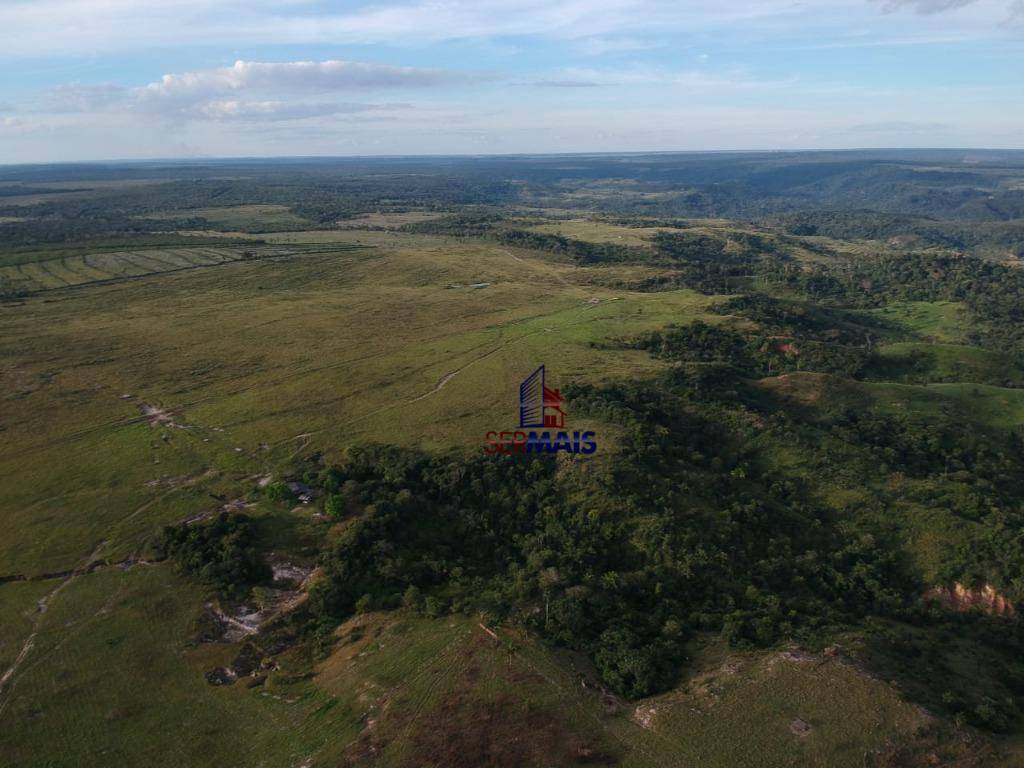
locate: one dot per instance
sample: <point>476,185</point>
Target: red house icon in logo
<point>539,405</point>
<point>554,416</point>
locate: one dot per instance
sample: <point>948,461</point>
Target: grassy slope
<point>939,321</point>
<point>443,693</point>
<point>807,249</point>
<point>266,357</point>
<point>112,679</point>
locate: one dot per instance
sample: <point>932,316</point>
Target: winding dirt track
<point>41,607</point>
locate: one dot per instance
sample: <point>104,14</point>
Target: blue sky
<point>108,79</point>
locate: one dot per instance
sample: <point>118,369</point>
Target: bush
<point>221,554</point>
<point>279,491</point>
<point>334,505</point>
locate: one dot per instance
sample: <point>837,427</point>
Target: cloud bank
<point>255,90</point>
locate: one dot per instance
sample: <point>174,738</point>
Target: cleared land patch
<point>64,272</point>
<point>940,321</point>
<point>251,218</point>
<point>388,220</point>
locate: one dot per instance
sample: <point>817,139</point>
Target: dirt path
<point>41,607</point>
<point>556,273</point>
<point>440,385</point>
<point>92,562</point>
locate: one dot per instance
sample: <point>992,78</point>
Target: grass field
<point>250,218</point>
<point>114,678</point>
<point>406,691</point>
<point>945,363</point>
<point>50,273</point>
<point>600,232</point>
<point>980,403</point>
<point>445,693</point>
<point>939,321</point>
<point>388,220</point>
<point>379,344</point>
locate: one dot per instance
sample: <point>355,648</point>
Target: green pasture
<point>257,360</point>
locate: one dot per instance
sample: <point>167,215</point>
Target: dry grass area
<point>64,272</point>
<point>388,220</point>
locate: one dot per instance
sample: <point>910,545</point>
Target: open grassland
<point>403,691</point>
<point>446,693</point>
<point>249,218</point>
<point>993,406</point>
<point>788,708</point>
<point>19,602</point>
<point>911,362</point>
<point>132,404</point>
<point>388,220</point>
<point>28,254</point>
<point>51,273</point>
<point>114,679</point>
<point>125,404</point>
<point>591,231</point>
<point>943,322</point>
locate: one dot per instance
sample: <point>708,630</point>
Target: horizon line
<point>478,155</point>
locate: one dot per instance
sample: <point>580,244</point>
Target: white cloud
<point>16,125</point>
<point>713,55</point>
<point>78,97</point>
<point>299,75</point>
<point>274,111</point>
<point>253,90</point>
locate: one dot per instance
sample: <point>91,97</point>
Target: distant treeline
<point>935,197</point>
<point>1007,236</point>
<point>705,262</point>
<point>86,225</point>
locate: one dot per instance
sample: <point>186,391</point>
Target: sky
<point>135,79</point>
